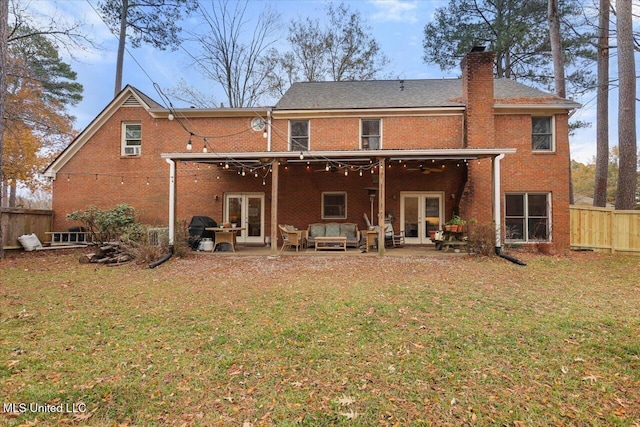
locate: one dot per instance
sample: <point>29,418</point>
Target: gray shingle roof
<point>394,94</point>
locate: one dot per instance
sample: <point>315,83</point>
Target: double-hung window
<point>527,217</point>
<point>542,133</point>
<point>334,205</point>
<point>370,134</point>
<point>131,139</point>
<point>299,135</point>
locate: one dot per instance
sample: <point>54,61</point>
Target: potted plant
<point>457,223</point>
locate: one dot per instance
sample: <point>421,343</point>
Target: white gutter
<point>268,125</point>
<point>459,153</point>
<point>497,200</point>
<point>172,200</point>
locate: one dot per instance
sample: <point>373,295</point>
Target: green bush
<point>106,225</point>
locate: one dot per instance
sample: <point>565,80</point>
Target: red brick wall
<point>98,175</point>
<point>408,132</point>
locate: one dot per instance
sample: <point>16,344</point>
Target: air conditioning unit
<point>132,150</point>
<point>158,236</point>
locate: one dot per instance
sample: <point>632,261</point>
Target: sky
<point>397,25</point>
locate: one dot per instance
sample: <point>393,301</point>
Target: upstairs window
<point>370,134</point>
<point>131,139</point>
<point>542,134</point>
<point>527,217</point>
<point>299,135</point>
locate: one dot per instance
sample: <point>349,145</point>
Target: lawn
<point>330,340</point>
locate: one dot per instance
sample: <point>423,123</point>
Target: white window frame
<point>323,205</point>
<point>362,137</point>
<point>526,217</point>
<point>125,142</point>
<point>552,142</point>
<point>291,147</point>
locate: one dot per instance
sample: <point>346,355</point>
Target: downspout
<point>497,209</point>
<point>172,213</point>
<point>268,125</point>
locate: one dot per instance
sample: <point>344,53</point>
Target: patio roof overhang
<point>343,155</point>
<point>381,156</point>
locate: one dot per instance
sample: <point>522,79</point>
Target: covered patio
<point>274,166</point>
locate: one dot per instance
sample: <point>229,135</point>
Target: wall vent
<point>132,101</point>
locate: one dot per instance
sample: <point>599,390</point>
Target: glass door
<point>421,213</point>
<point>246,210</point>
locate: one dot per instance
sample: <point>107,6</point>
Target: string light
<point>301,155</point>
<point>189,145</point>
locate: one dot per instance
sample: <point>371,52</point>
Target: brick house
<point>413,152</point>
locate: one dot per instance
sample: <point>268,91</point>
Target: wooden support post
<point>381,205</point>
<point>275,166</point>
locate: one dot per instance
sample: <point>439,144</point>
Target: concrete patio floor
<point>428,251</point>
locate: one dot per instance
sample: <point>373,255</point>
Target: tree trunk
<point>627,174</point>
<point>556,48</point>
<point>602,109</point>
<point>4,35</point>
<point>121,45</point>
<point>553,15</point>
<point>12,194</point>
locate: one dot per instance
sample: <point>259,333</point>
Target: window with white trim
<point>527,217</point>
<point>334,205</point>
<point>298,135</point>
<point>542,133</point>
<point>131,139</point>
<point>370,134</point>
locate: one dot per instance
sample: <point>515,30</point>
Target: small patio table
<point>225,235</point>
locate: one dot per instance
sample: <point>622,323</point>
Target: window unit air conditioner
<point>133,150</point>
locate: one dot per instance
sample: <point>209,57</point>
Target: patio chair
<point>391,238</point>
<point>291,238</point>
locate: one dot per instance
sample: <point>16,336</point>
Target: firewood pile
<point>111,254</point>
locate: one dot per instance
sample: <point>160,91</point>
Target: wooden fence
<point>16,222</point>
<point>605,229</point>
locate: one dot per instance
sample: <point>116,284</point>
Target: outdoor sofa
<point>334,229</point>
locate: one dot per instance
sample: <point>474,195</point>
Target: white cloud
<point>395,11</point>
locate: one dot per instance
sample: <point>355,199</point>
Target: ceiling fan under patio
<point>425,170</point>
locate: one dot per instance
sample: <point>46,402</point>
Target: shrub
<point>106,225</point>
<point>482,238</point>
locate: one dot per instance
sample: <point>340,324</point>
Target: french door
<point>421,212</point>
<point>246,210</point>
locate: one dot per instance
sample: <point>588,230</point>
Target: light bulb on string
<point>189,145</point>
<point>301,155</point>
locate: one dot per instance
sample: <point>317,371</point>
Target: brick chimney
<point>477,94</point>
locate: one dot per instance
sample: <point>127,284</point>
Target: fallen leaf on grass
<point>346,400</point>
<point>591,378</point>
<point>351,415</point>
